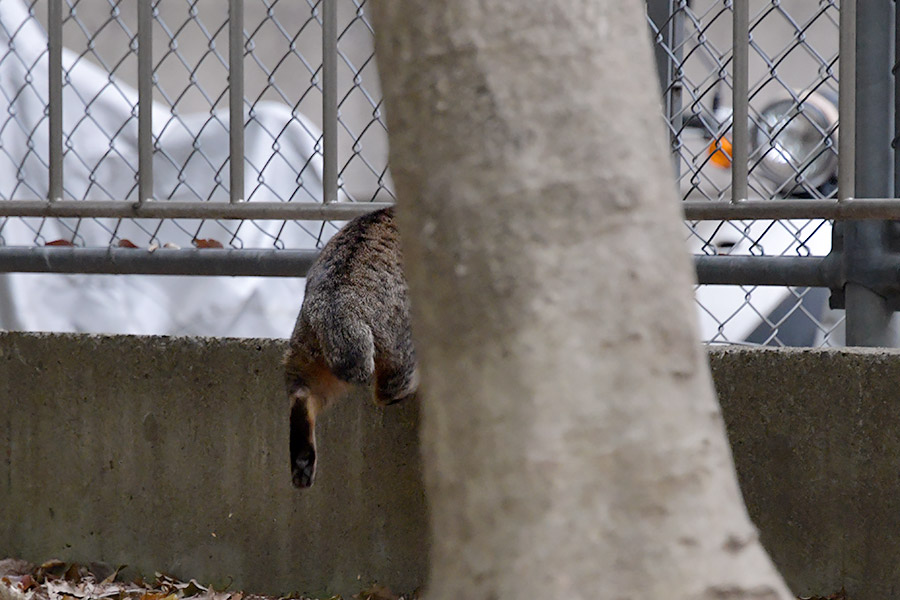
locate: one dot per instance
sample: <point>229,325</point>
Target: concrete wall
<point>171,454</point>
<point>816,440</point>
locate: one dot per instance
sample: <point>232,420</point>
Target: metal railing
<point>860,267</point>
<point>844,206</point>
<point>324,185</point>
<point>147,206</point>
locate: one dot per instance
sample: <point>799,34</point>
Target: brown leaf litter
<point>58,580</point>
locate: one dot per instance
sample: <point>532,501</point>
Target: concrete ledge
<point>170,454</point>
<point>816,440</point>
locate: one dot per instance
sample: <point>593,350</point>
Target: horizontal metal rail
<point>311,211</point>
<point>799,271</point>
<point>249,262</point>
<point>715,270</point>
<point>844,210</point>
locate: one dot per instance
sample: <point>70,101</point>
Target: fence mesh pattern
<point>793,90</point>
<point>793,85</point>
<point>282,104</point>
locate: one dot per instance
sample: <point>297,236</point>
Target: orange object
<point>720,152</point>
<point>207,243</point>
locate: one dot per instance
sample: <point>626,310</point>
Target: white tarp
<point>100,134</point>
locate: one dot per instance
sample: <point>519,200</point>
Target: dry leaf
<point>840,595</point>
<point>10,593</point>
<point>73,573</point>
<point>377,592</point>
<point>207,243</point>
<point>16,567</point>
<point>112,576</point>
<point>126,243</point>
<point>171,246</point>
<point>27,583</point>
<point>191,588</point>
<point>52,569</point>
<point>59,243</point>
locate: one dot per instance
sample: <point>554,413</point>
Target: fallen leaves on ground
<point>207,243</point>
<point>58,580</point>
<point>841,595</point>
<point>379,592</point>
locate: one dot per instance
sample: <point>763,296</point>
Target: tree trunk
<point>573,444</point>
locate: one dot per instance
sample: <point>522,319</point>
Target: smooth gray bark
<point>573,445</point>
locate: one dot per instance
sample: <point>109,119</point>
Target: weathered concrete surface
<point>136,450</point>
<point>171,454</point>
<point>816,439</point>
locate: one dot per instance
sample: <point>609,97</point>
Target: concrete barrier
<point>170,454</point>
<point>816,441</point>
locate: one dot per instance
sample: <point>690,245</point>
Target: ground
<point>58,580</point>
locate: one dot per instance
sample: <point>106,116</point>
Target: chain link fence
<point>315,153</point>
<point>281,105</point>
<point>793,93</point>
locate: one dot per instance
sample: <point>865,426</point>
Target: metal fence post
<point>740,165</point>
<point>666,16</point>
<point>55,98</point>
<point>236,99</point>
<point>329,101</point>
<point>865,242</point>
<point>145,100</point>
